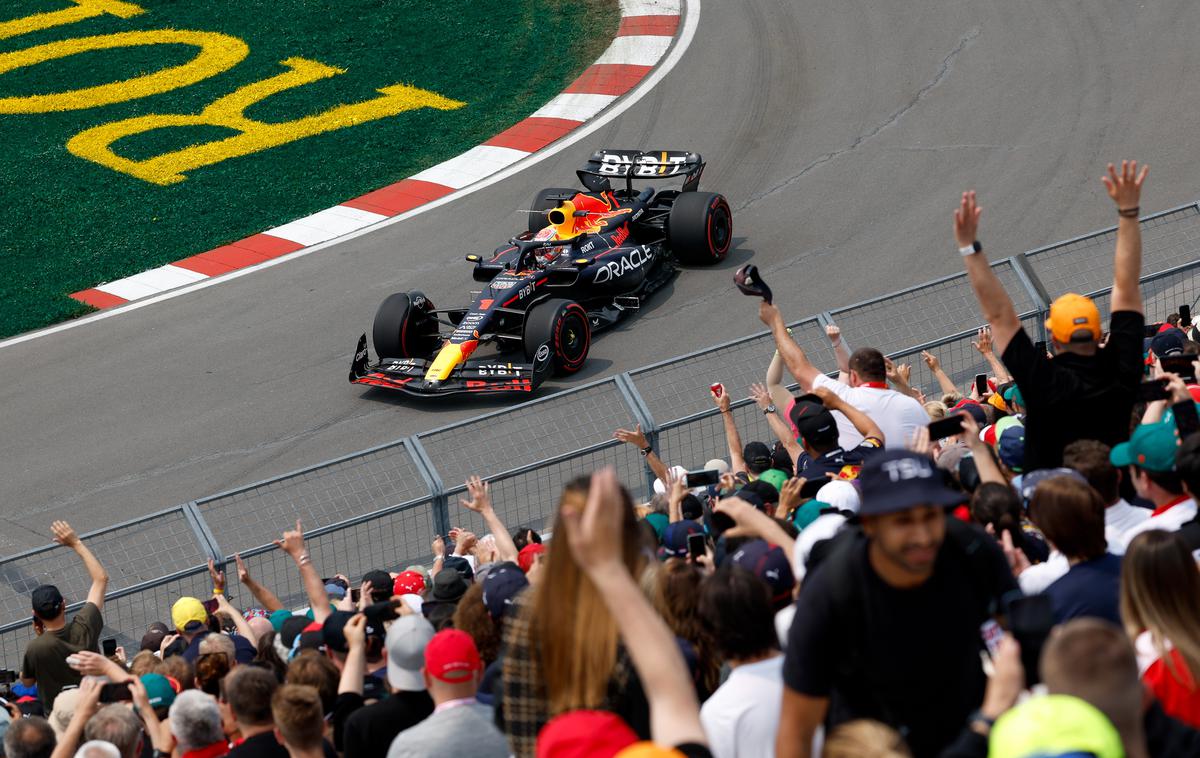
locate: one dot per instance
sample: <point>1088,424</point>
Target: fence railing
<point>380,508</point>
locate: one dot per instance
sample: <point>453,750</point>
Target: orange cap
<point>1072,314</point>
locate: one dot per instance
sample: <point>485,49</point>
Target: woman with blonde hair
<point>1160,606</point>
<point>864,738</point>
<point>562,646</point>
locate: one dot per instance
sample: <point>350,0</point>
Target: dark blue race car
<point>588,258</point>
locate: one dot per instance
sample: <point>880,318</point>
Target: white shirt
<point>742,716</point>
<point>897,415</point>
<point>1035,579</point>
<point>1122,516</point>
<point>1168,521</point>
<point>822,528</point>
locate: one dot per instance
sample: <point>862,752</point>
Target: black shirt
<point>369,731</point>
<point>909,658</point>
<point>1077,397</point>
<point>266,746</point>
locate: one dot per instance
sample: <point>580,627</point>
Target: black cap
<point>381,584</point>
<point>47,602</point>
<point>448,587</point>
<point>461,565</point>
<point>757,456</point>
<point>691,507</point>
<point>766,491</point>
<point>291,628</point>
<point>1167,342</point>
<point>896,480</point>
<point>333,631</point>
<point>502,584</point>
<point>813,420</point>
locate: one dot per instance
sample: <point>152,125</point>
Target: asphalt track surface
<point>840,130</point>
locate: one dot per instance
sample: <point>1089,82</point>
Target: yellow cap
<point>187,610</point>
<point>648,750</point>
<point>1074,318</point>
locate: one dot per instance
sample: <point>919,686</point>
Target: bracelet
<point>970,249</point>
<point>303,559</point>
<point>218,591</point>
<point>1129,212</point>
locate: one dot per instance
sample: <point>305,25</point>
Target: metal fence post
<point>204,534</point>
<point>641,412</point>
<point>433,480</point>
<point>1036,290</point>
<point>825,318</point>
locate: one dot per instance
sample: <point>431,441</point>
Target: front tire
<point>403,327</point>
<point>562,325</point>
<point>542,203</point>
<point>700,228</point>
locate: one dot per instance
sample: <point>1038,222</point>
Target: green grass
<point>70,223</point>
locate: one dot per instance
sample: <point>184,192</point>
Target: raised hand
<point>931,360</point>
<point>217,576</point>
<point>438,547</point>
<point>983,341</point>
<point>480,494</point>
<point>966,220</point>
<point>789,496</point>
<point>904,372</point>
<point>762,398</point>
<point>243,572</point>
<point>292,541</point>
<point>834,333</point>
<point>64,534</point>
<point>721,400</point>
<point>594,533</point>
<point>635,437</point>
<point>828,397</point>
<point>768,313</point>
<point>1125,188</point>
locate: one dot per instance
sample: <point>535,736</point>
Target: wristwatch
<point>769,409</point>
<point>970,249</point>
<point>979,723</point>
<point>647,450</point>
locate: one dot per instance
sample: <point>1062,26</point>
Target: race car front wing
<point>479,376</point>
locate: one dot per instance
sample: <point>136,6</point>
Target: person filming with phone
<point>45,662</point>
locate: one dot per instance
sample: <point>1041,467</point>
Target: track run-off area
<point>841,132</point>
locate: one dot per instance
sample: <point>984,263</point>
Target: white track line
<point>691,20</point>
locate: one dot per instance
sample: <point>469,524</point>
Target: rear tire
<point>564,326</point>
<point>700,228</point>
<point>403,328</point>
<point>542,203</point>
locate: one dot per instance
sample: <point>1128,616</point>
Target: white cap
<point>841,495</point>
<point>660,488</point>
<point>414,602</point>
<point>406,641</point>
<point>718,464</point>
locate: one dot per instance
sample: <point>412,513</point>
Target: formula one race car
<point>587,259</point>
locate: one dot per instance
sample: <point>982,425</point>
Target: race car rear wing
<point>644,164</point>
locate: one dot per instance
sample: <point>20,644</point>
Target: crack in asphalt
<point>942,72</point>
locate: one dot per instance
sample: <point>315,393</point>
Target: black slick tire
<point>700,228</point>
<point>563,326</point>
<point>402,330</point>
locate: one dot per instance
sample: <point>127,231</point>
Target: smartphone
<point>1185,316</point>
<point>115,692</point>
<point>1155,389</point>
<point>981,385</point>
<point>1040,347</point>
<point>210,605</point>
<point>1187,421</point>
<point>356,594</point>
<point>696,546</point>
<point>718,389</point>
<point>1030,620</point>
<point>946,427</point>
<point>702,478</point>
<point>108,647</point>
<point>1183,365</point>
<point>721,522</point>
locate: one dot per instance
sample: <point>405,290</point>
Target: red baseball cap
<point>451,656</point>
<point>584,734</point>
<point>408,583</point>
<point>528,553</point>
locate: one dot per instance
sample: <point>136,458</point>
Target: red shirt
<point>1178,693</point>
<point>214,750</point>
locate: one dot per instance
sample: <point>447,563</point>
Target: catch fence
<point>382,507</point>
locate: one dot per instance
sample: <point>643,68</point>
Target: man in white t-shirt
<point>742,716</point>
<point>1150,455</point>
<point>897,415</point>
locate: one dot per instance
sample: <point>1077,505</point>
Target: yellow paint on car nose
<point>447,359</point>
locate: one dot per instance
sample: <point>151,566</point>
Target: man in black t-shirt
<point>888,626</point>
<point>1086,391</point>
<point>45,661</point>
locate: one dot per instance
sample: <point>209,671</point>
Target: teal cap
<point>278,617</point>
<point>1151,447</point>
<point>807,513</point>
<point>158,690</point>
<point>1013,395</point>
<point>659,521</point>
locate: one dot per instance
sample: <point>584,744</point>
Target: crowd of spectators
<point>1006,569</point>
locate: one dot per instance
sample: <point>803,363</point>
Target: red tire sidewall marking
<point>712,211</point>
<point>558,337</point>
